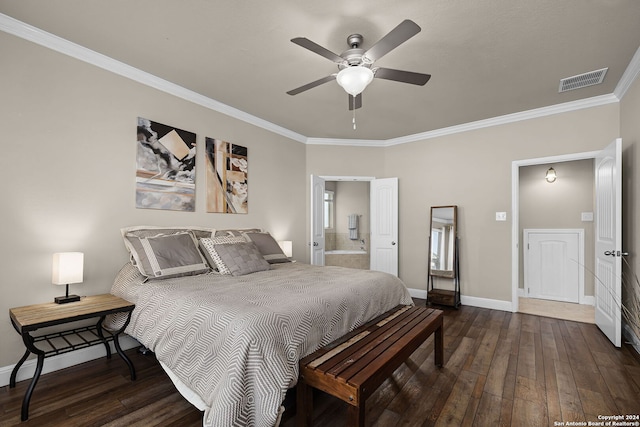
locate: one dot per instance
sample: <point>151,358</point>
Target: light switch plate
<point>501,216</point>
<point>586,216</point>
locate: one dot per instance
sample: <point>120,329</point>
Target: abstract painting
<point>227,187</point>
<point>166,167</point>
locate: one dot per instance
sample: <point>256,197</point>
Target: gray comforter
<point>236,341</point>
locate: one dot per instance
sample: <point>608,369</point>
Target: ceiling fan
<point>355,65</point>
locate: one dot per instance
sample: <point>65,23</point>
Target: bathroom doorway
<point>346,223</point>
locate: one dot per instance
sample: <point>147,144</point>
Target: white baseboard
<point>418,293</point>
<point>588,300</point>
<point>631,337</point>
<point>62,361</point>
<point>493,304</point>
<point>472,301</point>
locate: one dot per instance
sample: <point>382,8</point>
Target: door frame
<point>515,210</point>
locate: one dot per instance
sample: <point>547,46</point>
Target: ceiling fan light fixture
<point>354,79</point>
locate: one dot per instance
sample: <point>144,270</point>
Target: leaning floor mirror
<point>443,256</point>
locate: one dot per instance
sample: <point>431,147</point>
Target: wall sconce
<point>287,247</point>
<point>551,175</point>
<point>67,268</point>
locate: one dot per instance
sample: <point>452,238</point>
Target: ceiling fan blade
<point>316,48</point>
<point>402,76</point>
<point>358,103</point>
<point>400,34</point>
<point>312,85</point>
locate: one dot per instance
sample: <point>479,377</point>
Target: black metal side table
<point>30,318</point>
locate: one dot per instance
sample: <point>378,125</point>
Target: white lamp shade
<point>67,268</point>
<point>354,79</point>
<point>287,247</point>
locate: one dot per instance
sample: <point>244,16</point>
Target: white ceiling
<point>487,58</point>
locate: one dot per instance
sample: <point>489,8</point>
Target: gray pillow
<point>268,247</point>
<point>242,258</point>
<point>208,248</point>
<point>163,255</point>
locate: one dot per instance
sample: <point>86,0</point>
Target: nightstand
<point>28,319</point>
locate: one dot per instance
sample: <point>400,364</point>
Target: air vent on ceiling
<point>582,80</point>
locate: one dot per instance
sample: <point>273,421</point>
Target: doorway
<point>539,204</point>
<point>383,220</point>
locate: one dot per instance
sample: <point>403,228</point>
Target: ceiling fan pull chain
<point>354,112</point>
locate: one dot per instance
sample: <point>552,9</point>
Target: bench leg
<point>438,342</point>
<point>355,415</point>
<point>304,404</point>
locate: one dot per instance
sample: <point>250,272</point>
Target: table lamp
<point>67,268</point>
<point>287,247</point>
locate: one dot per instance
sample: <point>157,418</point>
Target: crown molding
<point>350,142</point>
<point>480,124</point>
<point>33,34</point>
<point>629,76</point>
<point>508,118</point>
<point>51,41</point>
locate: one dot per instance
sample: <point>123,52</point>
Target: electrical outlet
<point>501,216</point>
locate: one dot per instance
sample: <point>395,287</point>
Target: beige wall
<point>559,205</point>
<point>473,170</point>
<point>352,197</point>
<point>68,158</point>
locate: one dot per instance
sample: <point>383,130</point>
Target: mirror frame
<point>453,239</point>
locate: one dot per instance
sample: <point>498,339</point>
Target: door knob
<point>393,243</point>
<point>315,243</point>
<point>616,253</point>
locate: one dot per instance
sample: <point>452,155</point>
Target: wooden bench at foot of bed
<point>353,367</point>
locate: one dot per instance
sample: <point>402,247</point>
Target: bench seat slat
<point>355,351</point>
<point>370,348</point>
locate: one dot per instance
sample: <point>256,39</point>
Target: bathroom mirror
<point>442,241</point>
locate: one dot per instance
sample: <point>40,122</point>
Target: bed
<point>231,343</point>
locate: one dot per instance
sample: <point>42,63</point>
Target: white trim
<point>632,338</point>
<point>28,32</point>
<point>508,118</point>
<point>580,104</point>
<point>418,293</point>
<point>347,178</point>
<point>629,76</point>
<point>66,47</point>
<point>66,360</point>
<point>350,142</point>
<point>492,304</point>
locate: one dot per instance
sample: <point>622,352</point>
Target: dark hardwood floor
<point>500,369</point>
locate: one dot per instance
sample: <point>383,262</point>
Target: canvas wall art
<point>166,167</point>
<point>227,185</point>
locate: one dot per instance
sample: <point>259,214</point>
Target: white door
<point>608,222</point>
<point>553,264</point>
<point>384,225</point>
<point>317,220</point>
